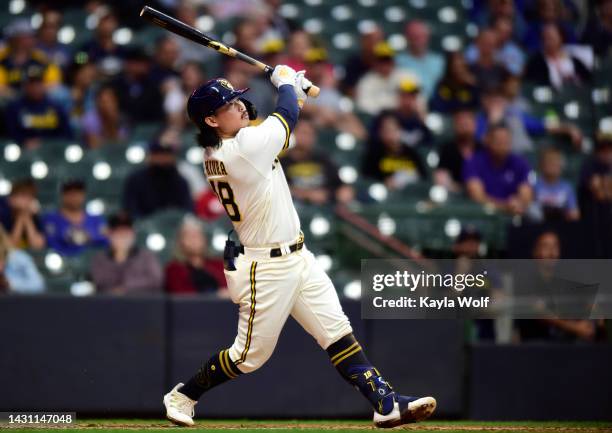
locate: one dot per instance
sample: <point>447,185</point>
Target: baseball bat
<point>180,28</point>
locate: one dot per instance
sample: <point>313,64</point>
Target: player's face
<point>230,118</point>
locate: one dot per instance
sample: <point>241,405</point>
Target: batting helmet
<point>212,95</point>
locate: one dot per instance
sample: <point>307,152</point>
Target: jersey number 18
<point>226,197</point>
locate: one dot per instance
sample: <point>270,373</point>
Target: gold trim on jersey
<point>286,126</point>
<point>251,315</point>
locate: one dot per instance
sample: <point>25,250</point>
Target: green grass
<point>320,426</point>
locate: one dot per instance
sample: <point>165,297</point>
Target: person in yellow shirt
<point>18,55</point>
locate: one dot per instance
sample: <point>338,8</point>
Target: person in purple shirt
<point>495,176</point>
<point>70,230</point>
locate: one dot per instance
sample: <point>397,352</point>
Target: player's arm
<point>261,144</point>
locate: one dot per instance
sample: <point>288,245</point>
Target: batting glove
<point>302,84</point>
<point>283,74</point>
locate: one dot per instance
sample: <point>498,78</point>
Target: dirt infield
<point>314,426</point>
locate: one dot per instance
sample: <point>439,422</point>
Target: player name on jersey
<point>214,168</point>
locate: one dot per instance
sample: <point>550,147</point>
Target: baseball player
<point>272,274</point>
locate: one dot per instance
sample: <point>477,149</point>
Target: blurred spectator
<point>496,9</point>
<point>104,124</point>
<point>377,89</point>
<point>34,116</point>
<point>102,49</point>
<point>165,74</point>
<point>326,110</point>
<point>19,55</point>
<point>457,89</point>
<point>71,230</point>
<point>554,66</point>
<point>496,108</point>
<point>81,80</point>
<point>425,64</point>
<point>18,272</point>
<point>139,96</point>
<point>454,153</point>
<point>21,217</point>
<point>547,251</point>
<point>467,250</point>
<point>389,159</point>
<point>165,60</point>
<point>507,52</point>
<point>57,52</point>
<point>191,271</point>
<point>247,34</point>
<point>411,115</point>
<point>488,71</point>
<point>298,45</point>
<point>595,196</point>
<point>549,12</point>
<point>360,63</point>
<point>598,32</point>
<point>124,268</point>
<point>157,186</point>
<point>188,51</point>
<point>554,198</point>
<point>312,176</point>
<point>495,176</point>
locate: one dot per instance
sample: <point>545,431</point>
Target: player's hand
<point>302,84</point>
<point>283,74</point>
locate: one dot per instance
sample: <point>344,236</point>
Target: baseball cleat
<point>406,410</point>
<point>179,407</point>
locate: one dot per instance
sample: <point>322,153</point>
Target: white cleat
<point>179,407</point>
<point>406,410</point>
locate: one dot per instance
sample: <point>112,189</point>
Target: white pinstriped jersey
<point>248,179</point>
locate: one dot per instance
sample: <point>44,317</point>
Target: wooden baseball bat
<point>180,28</point>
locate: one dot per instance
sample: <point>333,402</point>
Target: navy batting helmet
<point>210,96</point>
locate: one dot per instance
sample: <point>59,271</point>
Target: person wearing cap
<point>34,116</point>
<point>71,230</point>
<point>377,90</point>
<point>424,63</point>
<point>360,63</point>
<point>125,268</point>
<point>19,55</point>
<point>272,272</point>
<point>158,185</point>
<point>410,113</point>
<point>326,110</point>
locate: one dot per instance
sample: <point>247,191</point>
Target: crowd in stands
<point>97,93</point>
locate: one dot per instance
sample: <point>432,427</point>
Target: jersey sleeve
<point>262,143</point>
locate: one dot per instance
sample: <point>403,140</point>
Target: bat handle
<point>313,91</point>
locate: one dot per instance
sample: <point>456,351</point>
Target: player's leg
<point>264,308</point>
<point>317,308</point>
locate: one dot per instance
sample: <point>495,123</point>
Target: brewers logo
<point>225,83</point>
